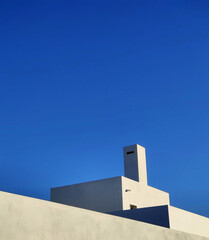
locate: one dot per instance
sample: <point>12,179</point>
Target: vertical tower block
<point>135,163</point>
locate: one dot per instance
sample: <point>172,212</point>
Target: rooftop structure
<point>118,193</point>
<point>131,197</point>
<point>123,208</point>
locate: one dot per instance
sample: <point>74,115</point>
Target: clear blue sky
<point>82,79</point>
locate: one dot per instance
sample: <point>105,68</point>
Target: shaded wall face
<point>102,195</point>
<point>153,215</point>
<point>170,217</point>
<point>141,195</point>
<point>135,163</point>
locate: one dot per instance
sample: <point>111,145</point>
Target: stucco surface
<point>135,163</point>
<point>154,215</point>
<point>188,222</point>
<point>101,195</point>
<point>23,218</point>
<point>142,195</point>
<point>110,194</point>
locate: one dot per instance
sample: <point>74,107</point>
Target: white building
<point>118,193</point>
<point>131,197</point>
<point>118,208</point>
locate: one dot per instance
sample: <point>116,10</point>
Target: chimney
<point>135,163</point>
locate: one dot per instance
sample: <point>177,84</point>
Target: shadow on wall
<point>153,215</point>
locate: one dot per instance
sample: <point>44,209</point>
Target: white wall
<point>102,195</point>
<point>188,222</point>
<point>135,163</point>
<point>153,215</point>
<point>23,218</point>
<point>142,195</point>
<point>109,195</point>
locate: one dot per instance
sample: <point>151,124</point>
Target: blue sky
<point>81,79</point>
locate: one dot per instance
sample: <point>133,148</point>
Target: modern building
<point>118,193</point>
<point>118,208</point>
<point>131,197</point>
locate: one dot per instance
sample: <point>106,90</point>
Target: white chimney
<point>135,163</point>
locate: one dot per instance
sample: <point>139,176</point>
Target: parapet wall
<point>23,218</point>
<point>102,195</point>
<point>142,195</point>
<point>182,220</point>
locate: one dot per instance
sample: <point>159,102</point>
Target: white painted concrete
<point>123,193</point>
<point>109,195</point>
<point>102,195</point>
<point>185,221</point>
<point>115,194</point>
<point>170,217</point>
<point>153,215</point>
<point>23,218</point>
<point>135,163</point>
<point>142,195</point>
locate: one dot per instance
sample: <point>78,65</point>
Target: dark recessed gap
<point>133,206</point>
<point>130,152</point>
